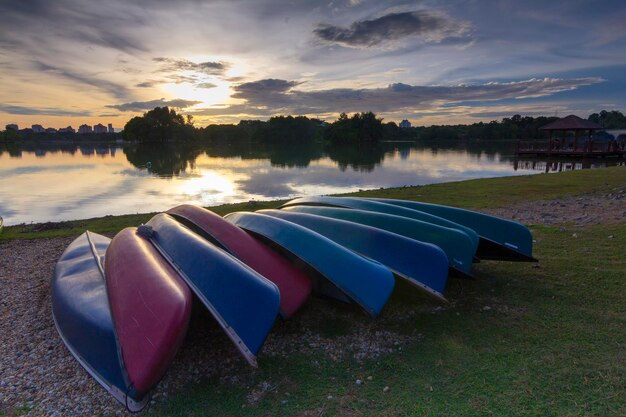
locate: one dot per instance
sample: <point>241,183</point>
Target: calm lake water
<point>52,183</point>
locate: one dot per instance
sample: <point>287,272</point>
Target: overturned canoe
<point>294,284</point>
<point>456,244</point>
<point>375,206</point>
<point>422,265</point>
<point>82,316</point>
<point>243,302</point>
<point>500,239</point>
<point>367,282</point>
<point>150,305</point>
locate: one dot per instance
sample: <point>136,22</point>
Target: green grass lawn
<point>521,339</point>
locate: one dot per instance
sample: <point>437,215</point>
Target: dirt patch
<point>586,210</point>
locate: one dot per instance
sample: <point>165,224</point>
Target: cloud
<point>115,89</point>
<point>137,106</point>
<point>208,67</point>
<point>44,111</point>
<point>206,85</point>
<point>430,26</point>
<point>272,96</point>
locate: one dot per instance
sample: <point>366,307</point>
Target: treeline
<point>163,124</point>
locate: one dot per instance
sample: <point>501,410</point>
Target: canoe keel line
<point>232,265</point>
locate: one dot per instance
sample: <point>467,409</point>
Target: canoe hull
<point>456,244</point>
<point>83,318</point>
<point>423,265</point>
<point>367,282</point>
<point>294,285</point>
<point>378,207</point>
<point>500,239</point>
<point>150,306</point>
<point>243,302</point>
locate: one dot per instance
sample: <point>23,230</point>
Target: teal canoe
<point>457,245</point>
<point>375,206</point>
<point>422,265</point>
<point>364,281</point>
<point>500,239</point>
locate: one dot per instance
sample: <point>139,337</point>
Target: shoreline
<point>41,378</point>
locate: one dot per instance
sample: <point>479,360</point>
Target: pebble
<point>359,382</point>
<point>386,389</point>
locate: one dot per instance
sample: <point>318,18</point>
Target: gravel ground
<point>38,376</point>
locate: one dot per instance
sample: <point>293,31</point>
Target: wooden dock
<point>589,149</point>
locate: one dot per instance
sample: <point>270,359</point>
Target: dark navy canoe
<point>82,316</point>
<point>500,239</point>
<point>150,305</point>
<point>294,284</point>
<point>367,282</point>
<point>375,206</point>
<point>244,303</point>
<point>422,265</point>
<point>456,244</point>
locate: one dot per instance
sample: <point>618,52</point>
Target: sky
<point>69,62</point>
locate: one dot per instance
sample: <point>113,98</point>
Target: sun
<point>219,94</point>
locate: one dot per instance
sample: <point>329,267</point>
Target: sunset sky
<point>69,62</point>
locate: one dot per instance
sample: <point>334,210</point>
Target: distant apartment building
<point>405,124</point>
<point>12,126</point>
<point>110,128</point>
<point>38,129</point>
<point>51,130</point>
<point>85,129</point>
<point>99,128</point>
<point>68,129</point>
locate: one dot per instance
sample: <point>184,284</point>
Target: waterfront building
<point>68,129</point>
<point>12,126</point>
<point>51,130</point>
<point>38,129</point>
<point>99,128</point>
<point>85,129</point>
<point>110,128</point>
<point>405,124</point>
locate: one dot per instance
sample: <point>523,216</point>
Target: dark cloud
<point>43,111</point>
<point>267,97</point>
<point>428,25</point>
<point>117,90</point>
<point>174,65</point>
<point>137,106</point>
<point>206,85</point>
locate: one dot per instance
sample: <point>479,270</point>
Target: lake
<point>69,181</point>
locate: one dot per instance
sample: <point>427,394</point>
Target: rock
<point>359,382</point>
<point>386,389</point>
<point>486,308</point>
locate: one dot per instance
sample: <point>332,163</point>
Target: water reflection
<point>567,164</point>
<point>80,180</point>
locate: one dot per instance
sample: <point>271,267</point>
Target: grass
<point>551,343</point>
<point>520,340</point>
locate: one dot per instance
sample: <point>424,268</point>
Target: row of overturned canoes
<point>122,305</point>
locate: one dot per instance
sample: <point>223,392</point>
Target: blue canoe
<point>82,315</point>
<point>456,244</point>
<point>375,206</point>
<point>500,239</point>
<point>244,303</point>
<point>367,282</point>
<point>422,265</point>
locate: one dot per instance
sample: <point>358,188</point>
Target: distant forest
<point>163,125</point>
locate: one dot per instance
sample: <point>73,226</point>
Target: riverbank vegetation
<point>165,124</point>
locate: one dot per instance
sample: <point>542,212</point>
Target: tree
<point>161,124</point>
<point>360,128</point>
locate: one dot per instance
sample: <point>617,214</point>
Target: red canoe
<point>150,305</point>
<point>294,284</point>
